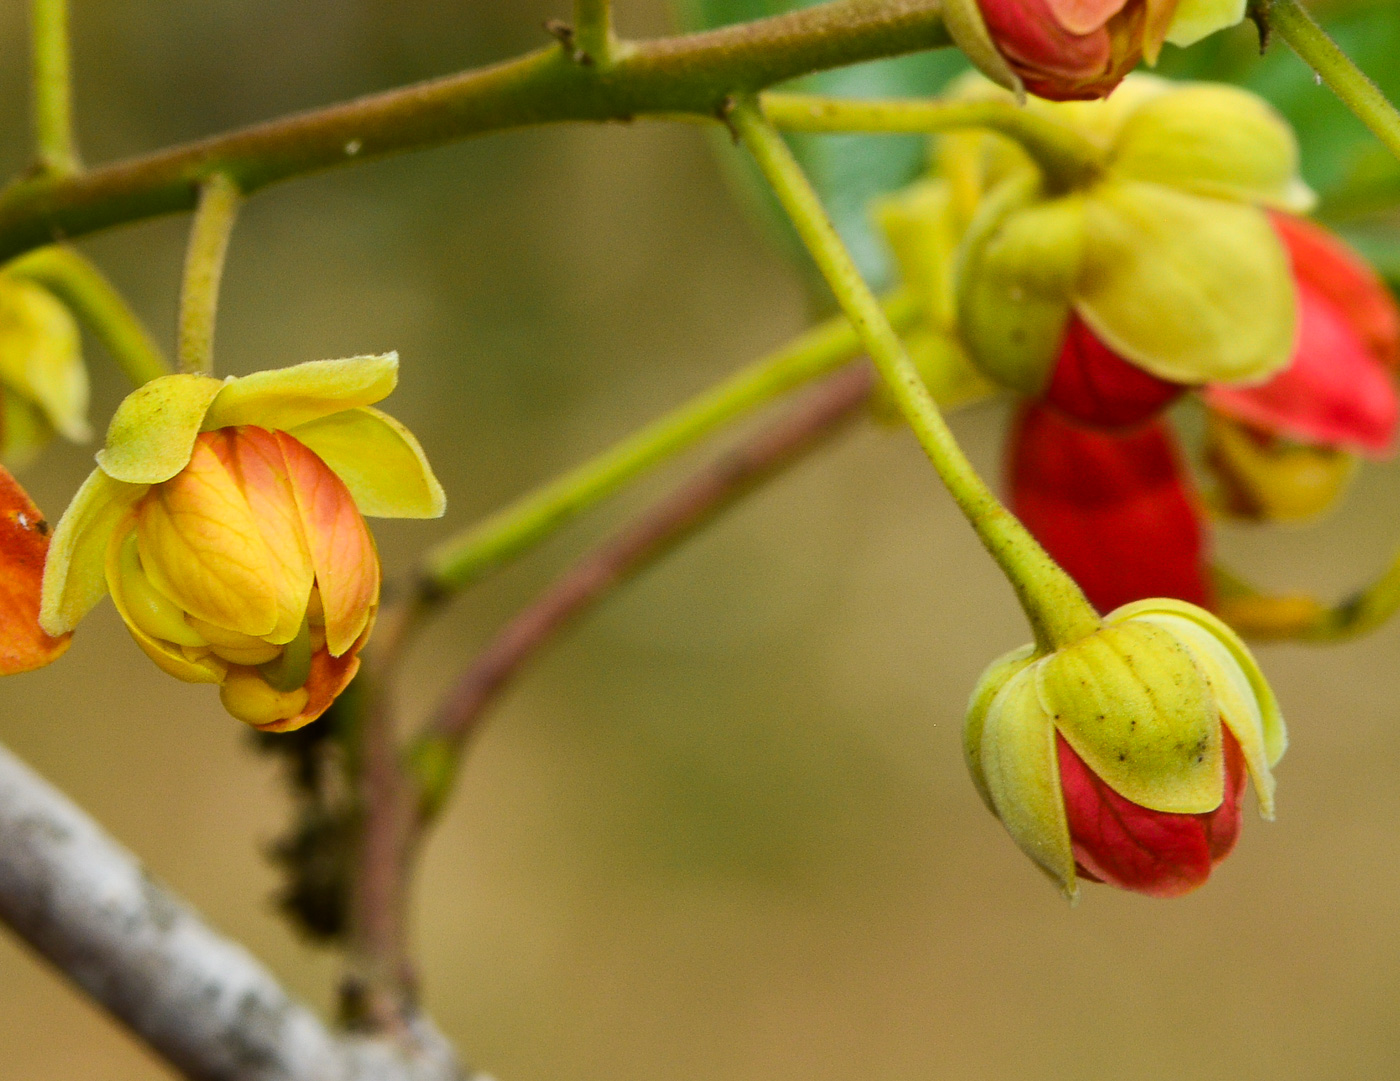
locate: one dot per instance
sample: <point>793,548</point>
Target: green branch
<point>91,297</point>
<point>53,95</point>
<point>693,74</point>
<point>1358,93</point>
<point>214,218</point>
<point>485,547</point>
<point>1053,603</point>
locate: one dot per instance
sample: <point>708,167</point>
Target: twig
<point>53,93</point>
<point>198,1000</point>
<point>690,74</point>
<point>204,270</point>
<point>436,752</point>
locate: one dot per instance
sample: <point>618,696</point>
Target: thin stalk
<point>1301,617</point>
<point>1066,157</point>
<point>593,31</point>
<point>53,92</point>
<point>1053,603</point>
<point>214,218</point>
<point>1316,49</point>
<point>97,304</point>
<point>488,545</point>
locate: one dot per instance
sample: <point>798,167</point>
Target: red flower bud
<point>1067,50</point>
<point>1338,390</point>
<point>1095,386</point>
<point>1153,852</point>
<point>1114,509</point>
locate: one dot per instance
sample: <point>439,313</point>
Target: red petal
<point>1034,42</point>
<point>24,542</point>
<point>1335,392</point>
<point>1320,259</point>
<point>1095,386</point>
<point>1114,509</point>
<point>1151,852</point>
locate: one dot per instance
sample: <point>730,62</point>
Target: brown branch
<point>676,518</point>
<point>199,1000</point>
<point>688,74</point>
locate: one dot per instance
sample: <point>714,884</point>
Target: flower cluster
<point>1174,264</point>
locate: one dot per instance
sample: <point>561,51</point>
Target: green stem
<point>1053,603</point>
<point>1300,617</point>
<point>53,94</point>
<point>593,31</point>
<point>692,74</point>
<point>488,545</point>
<point>1346,80</point>
<point>214,218</point>
<point>1066,157</point>
<point>103,310</point>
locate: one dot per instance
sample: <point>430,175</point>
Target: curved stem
<point>91,297</point>
<point>1337,70</point>
<point>1053,603</point>
<point>53,94</point>
<point>1066,157</point>
<point>488,545</point>
<point>1301,617</point>
<point>204,270</point>
<point>691,74</point>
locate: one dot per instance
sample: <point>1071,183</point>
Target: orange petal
<point>342,550</point>
<point>253,457</point>
<point>24,542</point>
<point>329,676</point>
<point>1084,16</point>
<point>202,548</point>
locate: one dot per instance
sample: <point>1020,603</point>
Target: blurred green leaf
<point>848,170</point>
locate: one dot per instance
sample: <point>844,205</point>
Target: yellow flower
<point>225,519</point>
<point>43,384</point>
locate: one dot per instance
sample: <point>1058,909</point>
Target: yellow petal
<point>380,462</point>
<point>75,568</point>
<point>1189,288</point>
<point>248,697</point>
<point>202,548</point>
<point>41,355</point>
<point>190,665</point>
<point>1132,702</point>
<point>342,550</point>
<point>1212,140</point>
<point>286,397</point>
<point>153,430</point>
<point>1022,772</point>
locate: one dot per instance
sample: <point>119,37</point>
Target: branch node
<point>563,33</point>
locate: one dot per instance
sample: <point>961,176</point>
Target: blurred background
<point>723,829</point>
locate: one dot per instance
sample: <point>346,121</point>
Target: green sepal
<point>75,570</point>
<point>283,398</point>
<point>379,460</point>
<point>997,675</point>
<point>1132,702</point>
<point>152,432</point>
<point>1213,140</point>
<point>1191,289</point>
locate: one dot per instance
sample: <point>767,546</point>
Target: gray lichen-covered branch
<point>200,1001</point>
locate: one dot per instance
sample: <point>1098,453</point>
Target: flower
<point>1077,49</point>
<point>43,383</point>
<point>1122,757</point>
<point>1163,249</point>
<point>224,517</point>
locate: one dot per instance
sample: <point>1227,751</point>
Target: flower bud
<point>1264,478</point>
<point>43,383</point>
<point>1077,49</point>
<point>225,519</point>
<point>1122,757</point>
